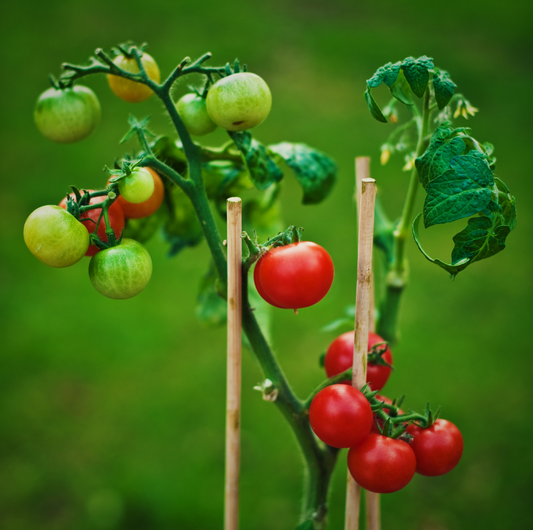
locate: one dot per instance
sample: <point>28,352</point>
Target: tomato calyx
<point>268,389</point>
<point>375,355</point>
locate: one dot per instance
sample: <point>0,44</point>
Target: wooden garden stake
<point>233,399</point>
<point>362,317</point>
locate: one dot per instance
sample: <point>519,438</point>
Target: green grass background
<point>112,412</point>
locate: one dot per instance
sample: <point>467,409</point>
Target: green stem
<point>396,278</point>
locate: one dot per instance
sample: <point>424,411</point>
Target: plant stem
<point>397,274</point>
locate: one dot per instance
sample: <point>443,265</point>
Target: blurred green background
<point>112,412</point>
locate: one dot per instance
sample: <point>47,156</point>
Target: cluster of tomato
<point>342,416</point>
<point>67,113</point>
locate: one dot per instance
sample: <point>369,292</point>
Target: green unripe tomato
<point>138,186</point>
<point>121,272</point>
<point>192,110</point>
<point>55,237</point>
<point>239,101</point>
<point>67,115</point>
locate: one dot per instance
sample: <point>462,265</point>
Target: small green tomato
<point>68,114</point>
<point>138,186</point>
<point>55,237</point>
<point>121,272</point>
<point>239,101</point>
<point>192,110</point>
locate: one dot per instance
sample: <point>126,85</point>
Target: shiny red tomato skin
<point>339,357</point>
<point>294,276</point>
<point>438,448</point>
<point>381,464</point>
<point>340,416</point>
<point>116,219</point>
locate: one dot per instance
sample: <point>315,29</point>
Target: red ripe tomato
<point>144,209</point>
<point>339,358</point>
<point>116,219</point>
<point>378,421</point>
<point>340,416</point>
<point>438,448</point>
<point>294,276</point>
<point>381,464</point>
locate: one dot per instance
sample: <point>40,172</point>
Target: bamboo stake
<point>362,170</point>
<point>233,396</point>
<point>362,317</point>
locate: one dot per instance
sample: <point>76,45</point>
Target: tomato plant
<point>116,220</point>
<point>55,237</point>
<point>382,464</point>
<point>340,416</point>
<point>67,114</point>
<point>148,207</point>
<point>138,186</point>
<point>127,89</point>
<point>339,357</point>
<point>193,111</point>
<point>378,423</point>
<point>294,276</point>
<point>121,272</point>
<point>438,448</point>
<point>239,101</point>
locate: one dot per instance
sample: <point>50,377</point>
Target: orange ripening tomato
<point>148,207</point>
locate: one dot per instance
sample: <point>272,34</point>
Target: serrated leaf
<point>262,169</point>
<point>444,88</point>
<point>182,228</point>
<point>417,73</point>
<point>374,107</point>
<point>401,90</point>
<point>507,203</point>
<point>211,309</point>
<point>314,170</point>
<point>443,146</point>
<point>385,74</point>
<point>462,191</point>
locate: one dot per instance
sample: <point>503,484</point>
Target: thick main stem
<point>396,278</point>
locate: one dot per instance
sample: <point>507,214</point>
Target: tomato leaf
<point>170,152</point>
<point>211,309</point>
<point>373,106</point>
<point>262,169</point>
<point>182,228</point>
<point>462,191</point>
<point>444,87</point>
<point>401,90</point>
<point>315,171</point>
<point>385,74</point>
<point>417,73</point>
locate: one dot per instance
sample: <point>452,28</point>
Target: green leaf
<point>182,228</point>
<point>444,87</point>
<point>263,214</point>
<point>315,171</point>
<point>507,203</point>
<point>170,152</point>
<point>479,240</point>
<point>385,74</point>
<point>401,90</point>
<point>211,309</point>
<point>417,73</point>
<point>462,191</point>
<point>262,169</point>
<point>373,106</point>
<point>443,146</point>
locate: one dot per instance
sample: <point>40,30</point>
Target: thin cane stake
<point>362,171</point>
<point>233,400</point>
<point>362,316</point>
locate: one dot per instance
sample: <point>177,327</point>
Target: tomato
<point>138,186</point>
<point>381,464</point>
<point>121,272</point>
<point>144,209</point>
<point>116,219</point>
<point>376,419</point>
<point>294,276</point>
<point>339,357</point>
<point>239,101</point>
<point>193,111</point>
<point>55,237</point>
<point>68,114</point>
<point>340,416</point>
<point>132,91</point>
<point>438,448</point>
